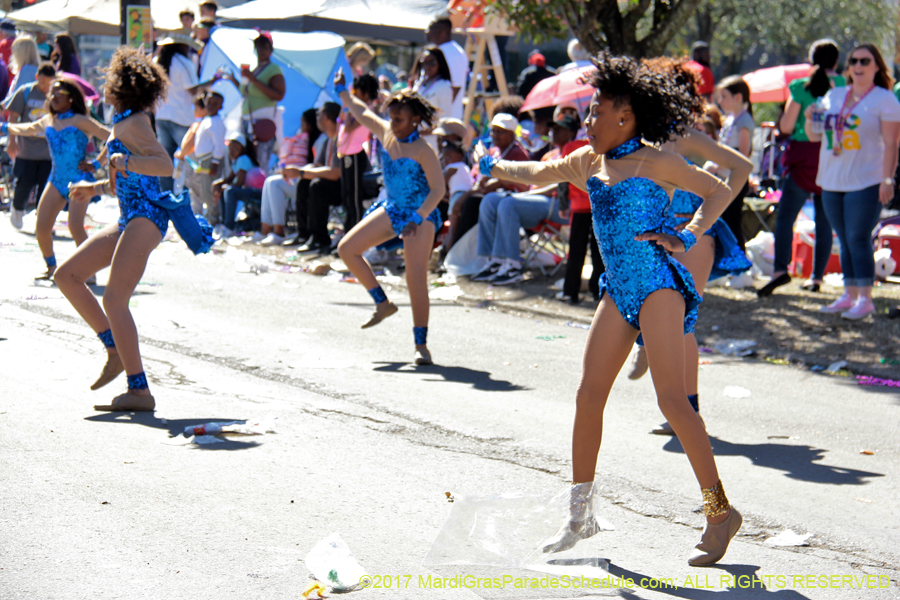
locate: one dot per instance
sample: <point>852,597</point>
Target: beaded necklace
<point>629,147</point>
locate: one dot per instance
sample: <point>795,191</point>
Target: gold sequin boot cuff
<point>714,501</point>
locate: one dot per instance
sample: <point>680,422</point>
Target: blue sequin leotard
<point>134,192</point>
<point>634,270</point>
<point>407,188</point>
<point>729,258</point>
<point>68,147</point>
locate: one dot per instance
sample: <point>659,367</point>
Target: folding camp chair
<point>762,203</point>
<point>550,238</point>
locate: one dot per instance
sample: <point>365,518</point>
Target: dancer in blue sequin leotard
<point>716,254</point>
<point>645,289</point>
<point>136,162</point>
<point>68,130</point>
<point>415,184</point>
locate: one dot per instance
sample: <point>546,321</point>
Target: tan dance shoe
<point>112,369</point>
<point>423,357</point>
<point>382,312</point>
<point>715,539</point>
<point>128,402</point>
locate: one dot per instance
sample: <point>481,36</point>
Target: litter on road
<point>789,538</point>
<point>736,391</point>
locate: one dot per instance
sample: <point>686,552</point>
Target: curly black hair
<point>688,81</point>
<point>508,105</point>
<point>416,103</point>
<point>660,99</point>
<point>133,81</point>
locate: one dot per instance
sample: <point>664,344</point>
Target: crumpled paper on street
<point>789,538</point>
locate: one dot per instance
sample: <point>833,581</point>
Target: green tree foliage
<point>780,31</point>
<point>636,27</point>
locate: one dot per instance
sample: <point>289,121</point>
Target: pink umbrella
<point>568,86</point>
<point>90,92</point>
<point>771,84</point>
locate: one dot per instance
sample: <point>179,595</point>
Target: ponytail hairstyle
<point>823,55</point>
<point>735,84</point>
<point>419,106</point>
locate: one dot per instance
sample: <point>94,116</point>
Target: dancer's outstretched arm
<point>576,168</point>
<point>365,115</point>
<point>697,143</point>
<point>92,128</point>
<point>33,129</point>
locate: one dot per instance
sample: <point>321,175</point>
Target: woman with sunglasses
<point>68,130</point>
<point>857,162</point>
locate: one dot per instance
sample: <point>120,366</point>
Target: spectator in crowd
<point>208,10</point>
<point>236,185</point>
<point>186,148</point>
<point>359,56</point>
<point>505,147</point>
<point>209,152</point>
<point>319,187</point>
<point>459,180</point>
<point>857,162</point>
<point>32,155</point>
<point>280,189</point>
<point>44,48</point>
<point>65,57</point>
<point>264,89</point>
<point>578,56</point>
<point>801,161</point>
<point>202,31</point>
<point>700,64</point>
<point>25,62</point>
<point>354,141</point>
<point>581,225</point>
<point>4,79</point>
<point>187,21</point>
<point>737,133</point>
<point>540,143</point>
<point>440,33</point>
<point>174,114</point>
<point>535,72</point>
<point>434,85</point>
<point>452,130</point>
<point>502,215</point>
<point>7,37</point>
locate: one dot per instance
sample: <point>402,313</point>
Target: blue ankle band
<point>138,382</point>
<point>378,295</point>
<point>107,338</point>
<point>421,335</point>
<point>50,260</point>
<point>694,399</point>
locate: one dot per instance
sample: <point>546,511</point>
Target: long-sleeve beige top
<point>87,125</point>
<point>666,169</point>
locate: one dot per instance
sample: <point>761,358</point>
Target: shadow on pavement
<point>738,581</point>
<point>175,427</point>
<point>479,380</point>
<point>798,462</point>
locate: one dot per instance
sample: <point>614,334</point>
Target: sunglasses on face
<point>863,62</point>
<point>430,63</point>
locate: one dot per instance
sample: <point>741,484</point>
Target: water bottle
<point>818,117</point>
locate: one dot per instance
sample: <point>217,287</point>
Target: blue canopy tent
<point>308,61</point>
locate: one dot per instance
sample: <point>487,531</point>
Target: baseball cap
<point>505,121</point>
<point>450,126</point>
<point>537,59</point>
<point>569,122</point>
<point>7,25</point>
<point>238,137</point>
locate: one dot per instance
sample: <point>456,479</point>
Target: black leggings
<point>29,174</point>
<point>733,216</point>
<point>581,236</point>
<point>352,190</point>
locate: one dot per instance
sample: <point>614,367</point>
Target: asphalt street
<point>98,505</point>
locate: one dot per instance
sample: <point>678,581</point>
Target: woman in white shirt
<point>175,114</point>
<point>434,85</point>
<point>857,162</point>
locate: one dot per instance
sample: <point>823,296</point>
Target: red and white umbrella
<point>771,84</point>
<point>568,86</point>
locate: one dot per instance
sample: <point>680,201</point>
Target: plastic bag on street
<point>512,530</point>
<point>331,562</point>
<point>735,347</point>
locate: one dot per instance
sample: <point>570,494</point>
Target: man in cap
<point>505,147</point>
<point>535,72</point>
<point>7,37</point>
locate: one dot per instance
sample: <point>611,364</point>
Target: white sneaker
<point>862,308</point>
<point>220,232</point>
<point>844,303</point>
<point>15,217</point>
<point>272,239</point>
<point>256,238</point>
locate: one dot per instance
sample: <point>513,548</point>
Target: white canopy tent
<point>380,20</point>
<point>98,17</point>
